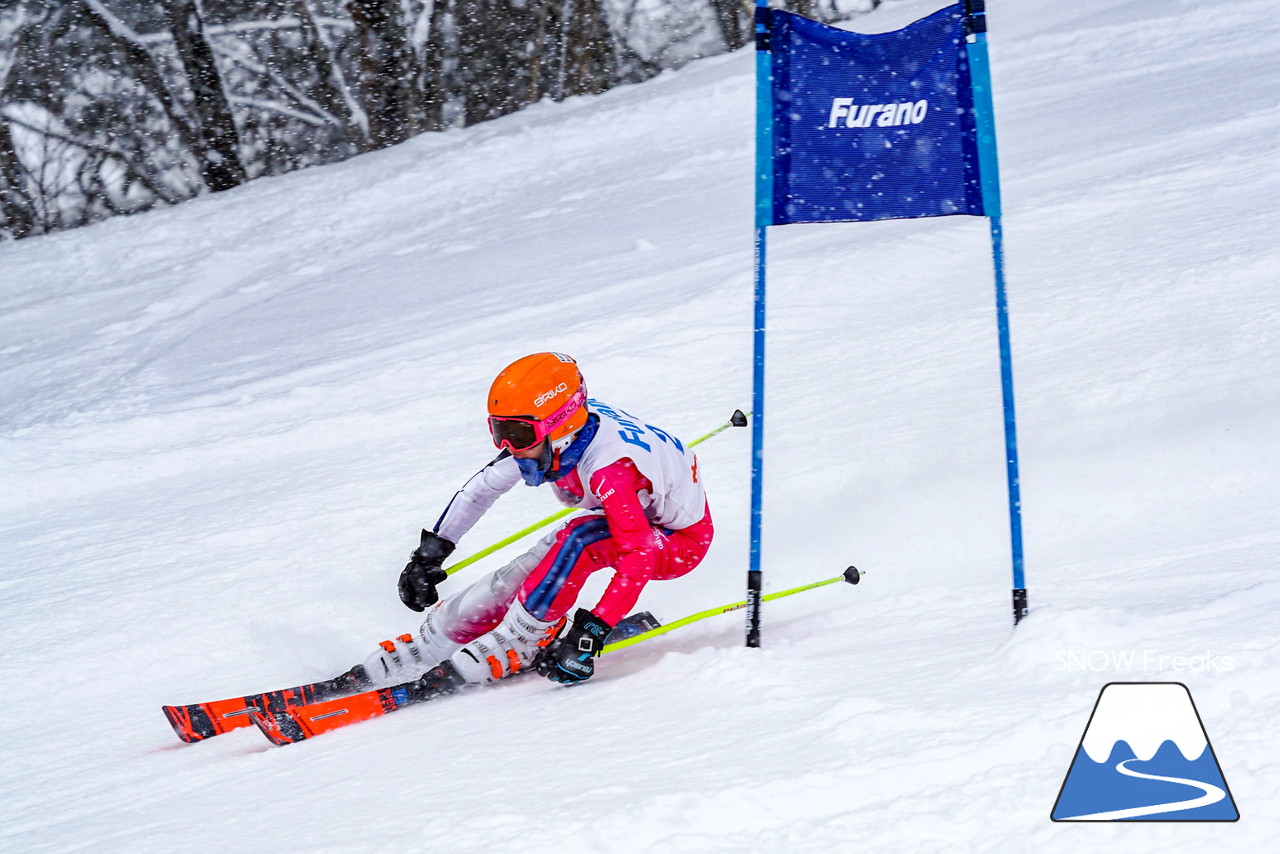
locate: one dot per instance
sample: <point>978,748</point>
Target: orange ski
<point>299,722</point>
<point>200,721</point>
<point>205,720</point>
<point>289,724</point>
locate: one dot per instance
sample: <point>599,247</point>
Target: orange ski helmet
<point>538,397</point>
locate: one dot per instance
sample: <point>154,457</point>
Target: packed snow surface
<point>222,425</point>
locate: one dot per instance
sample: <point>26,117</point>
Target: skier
<point>646,516</point>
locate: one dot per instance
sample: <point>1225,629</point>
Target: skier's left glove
<point>570,658</point>
<point>424,571</point>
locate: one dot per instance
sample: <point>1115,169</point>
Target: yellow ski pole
<point>851,575</point>
<point>738,419</point>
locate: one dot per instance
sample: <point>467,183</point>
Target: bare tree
<point>435,89</point>
<point>494,42</point>
<point>220,167</point>
<point>331,88</point>
<point>389,71</point>
<point>573,49</point>
<point>731,17</point>
<point>587,50</point>
<point>140,63</point>
<point>51,163</point>
<point>121,105</point>
<point>16,205</point>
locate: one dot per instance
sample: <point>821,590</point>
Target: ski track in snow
<point>1210,794</point>
<point>222,425</point>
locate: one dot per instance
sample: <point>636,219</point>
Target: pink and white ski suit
<point>646,517</point>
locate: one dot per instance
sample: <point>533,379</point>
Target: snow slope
<point>222,425</point>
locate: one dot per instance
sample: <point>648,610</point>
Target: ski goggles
<point>522,432</point>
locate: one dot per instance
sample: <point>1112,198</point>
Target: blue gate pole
<point>764,217</point>
<point>989,168</point>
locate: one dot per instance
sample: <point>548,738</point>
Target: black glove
<point>570,657</point>
<point>424,571</point>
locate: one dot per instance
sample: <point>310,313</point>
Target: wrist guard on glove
<point>424,571</point>
<point>570,658</point>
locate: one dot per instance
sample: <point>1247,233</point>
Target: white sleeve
<point>477,496</point>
